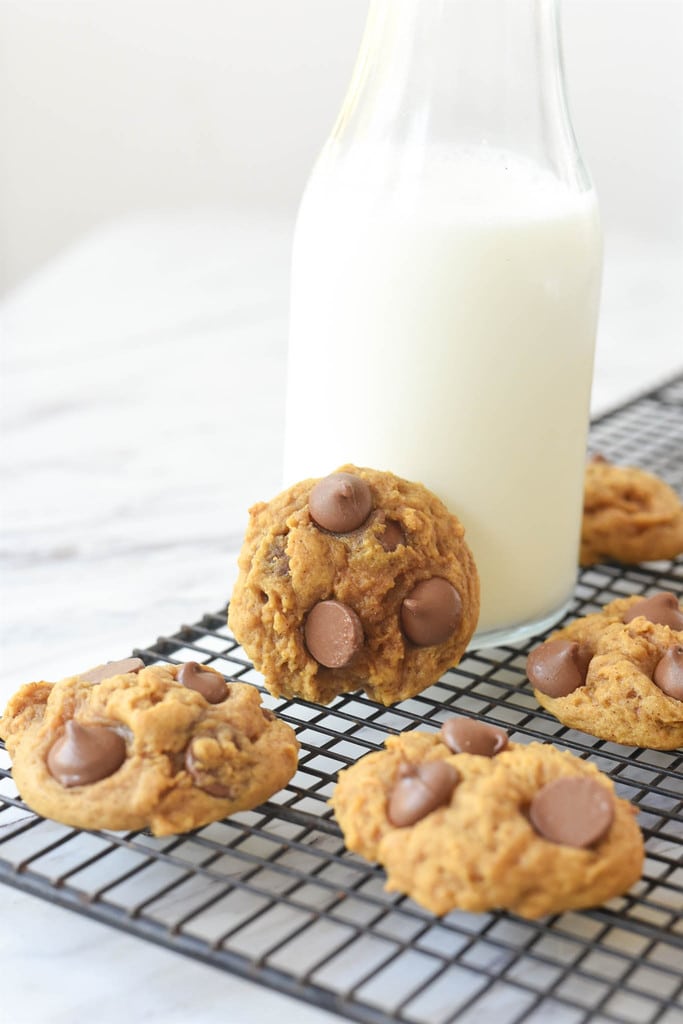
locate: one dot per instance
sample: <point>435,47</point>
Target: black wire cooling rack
<point>272,894</point>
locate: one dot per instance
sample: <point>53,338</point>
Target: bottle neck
<point>462,73</point>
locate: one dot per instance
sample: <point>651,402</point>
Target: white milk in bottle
<point>450,340</point>
<point>445,289</point>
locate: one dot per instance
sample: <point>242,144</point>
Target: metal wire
<point>273,895</point>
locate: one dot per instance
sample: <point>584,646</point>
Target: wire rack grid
<point>273,895</point>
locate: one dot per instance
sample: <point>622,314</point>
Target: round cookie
<point>358,580</point>
<point>618,673</point>
<point>166,747</point>
<point>524,828</point>
<point>628,515</point>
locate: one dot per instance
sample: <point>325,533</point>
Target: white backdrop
<point>110,107</point>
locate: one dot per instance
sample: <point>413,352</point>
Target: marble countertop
<point>142,406</point>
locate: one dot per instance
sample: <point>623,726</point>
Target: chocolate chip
<point>85,753</point>
<point>112,668</point>
<point>333,633</point>
<point>662,609</point>
<point>203,781</point>
<point>340,502</point>
<point>392,535</point>
<point>432,612</point>
<point>668,674</point>
<point>419,791</point>
<point>572,811</point>
<point>467,736</point>
<point>558,667</point>
<point>212,687</point>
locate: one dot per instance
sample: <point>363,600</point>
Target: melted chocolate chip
<point>419,791</point>
<point>203,782</point>
<point>333,633</point>
<point>662,609</point>
<point>572,811</point>
<point>432,612</point>
<point>668,674</point>
<point>112,668</point>
<point>212,687</point>
<point>392,535</point>
<point>85,754</point>
<point>278,559</point>
<point>558,667</point>
<point>467,736</point>
<point>340,503</point>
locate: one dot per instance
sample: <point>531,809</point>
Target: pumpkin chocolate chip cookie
<point>465,819</point>
<point>618,673</point>
<point>128,747</point>
<point>358,580</point>
<point>629,515</point>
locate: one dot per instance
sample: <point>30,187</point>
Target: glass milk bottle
<point>445,290</point>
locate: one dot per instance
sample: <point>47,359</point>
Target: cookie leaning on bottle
<point>360,580</point>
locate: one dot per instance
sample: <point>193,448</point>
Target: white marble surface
<point>142,403</point>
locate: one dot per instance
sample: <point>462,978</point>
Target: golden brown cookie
<point>358,580</point>
<point>629,516</point>
<point>166,747</point>
<point>481,826</point>
<point>618,673</point>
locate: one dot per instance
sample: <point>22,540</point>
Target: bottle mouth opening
<point>465,73</point>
